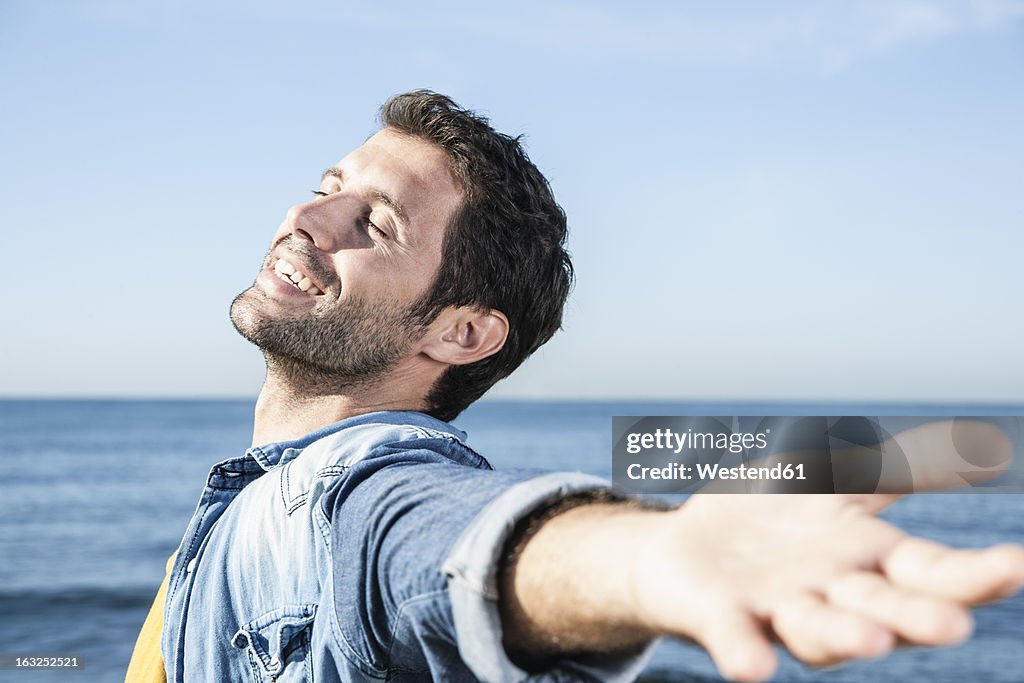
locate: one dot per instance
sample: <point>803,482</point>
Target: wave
<point>77,599</point>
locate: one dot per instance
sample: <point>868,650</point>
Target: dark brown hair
<point>504,248</point>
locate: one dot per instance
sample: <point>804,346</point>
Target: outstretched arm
<point>820,573</point>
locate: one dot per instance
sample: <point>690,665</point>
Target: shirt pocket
<point>277,644</point>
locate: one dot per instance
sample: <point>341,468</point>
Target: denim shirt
<point>367,550</point>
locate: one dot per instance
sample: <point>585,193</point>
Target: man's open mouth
<point>292,275</point>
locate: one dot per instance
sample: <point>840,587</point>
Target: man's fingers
<point>821,634</point>
<point>738,645</point>
<point>917,618</point>
<point>966,576</point>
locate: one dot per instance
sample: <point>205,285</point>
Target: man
<point>360,538</point>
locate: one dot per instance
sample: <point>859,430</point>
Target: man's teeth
<point>287,272</point>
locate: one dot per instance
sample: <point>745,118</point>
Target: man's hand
<point>821,574</point>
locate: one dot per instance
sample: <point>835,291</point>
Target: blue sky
<point>787,200</point>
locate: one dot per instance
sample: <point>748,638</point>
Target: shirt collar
<point>269,455</point>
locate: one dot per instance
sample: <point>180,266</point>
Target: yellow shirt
<point>147,664</point>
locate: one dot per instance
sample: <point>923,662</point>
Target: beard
<point>328,349</point>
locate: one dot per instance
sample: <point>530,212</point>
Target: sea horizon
<point>722,402</point>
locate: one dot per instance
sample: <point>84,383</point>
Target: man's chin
<point>245,312</point>
<point>278,333</point>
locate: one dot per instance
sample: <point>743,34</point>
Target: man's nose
<point>327,222</point>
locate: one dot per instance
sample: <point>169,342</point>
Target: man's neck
<point>286,410</point>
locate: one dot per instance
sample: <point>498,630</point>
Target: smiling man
<point>361,538</point>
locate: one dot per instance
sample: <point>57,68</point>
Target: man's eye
<point>375,229</point>
<point>319,193</point>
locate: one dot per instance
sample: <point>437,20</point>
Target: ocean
<point>94,495</point>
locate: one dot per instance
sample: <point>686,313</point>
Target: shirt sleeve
<point>419,539</point>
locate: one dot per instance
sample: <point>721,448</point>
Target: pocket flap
<point>269,636</point>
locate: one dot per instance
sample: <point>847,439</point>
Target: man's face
<point>334,294</point>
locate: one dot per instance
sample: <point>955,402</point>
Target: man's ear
<point>460,336</point>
